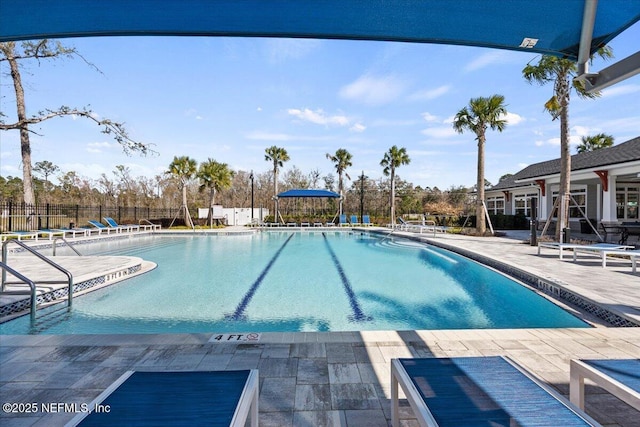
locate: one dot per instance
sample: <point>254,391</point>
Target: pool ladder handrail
<point>43,258</point>
<point>69,244</point>
<point>32,288</point>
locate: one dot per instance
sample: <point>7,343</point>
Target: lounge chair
<point>478,391</point>
<point>595,248</point>
<point>50,233</point>
<point>633,257</point>
<point>74,232</point>
<point>342,221</point>
<point>19,235</point>
<point>366,220</point>
<point>620,377</point>
<point>354,220</point>
<point>186,398</point>
<point>103,228</point>
<point>124,227</point>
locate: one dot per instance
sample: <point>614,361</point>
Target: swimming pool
<point>292,281</point>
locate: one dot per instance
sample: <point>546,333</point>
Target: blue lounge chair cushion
<point>625,371</point>
<point>173,399</point>
<point>485,391</point>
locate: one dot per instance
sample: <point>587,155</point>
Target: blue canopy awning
<point>308,193</point>
<point>572,29</point>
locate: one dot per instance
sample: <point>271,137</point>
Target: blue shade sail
<point>543,26</point>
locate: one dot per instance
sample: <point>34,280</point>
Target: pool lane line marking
<point>238,314</point>
<point>358,315</point>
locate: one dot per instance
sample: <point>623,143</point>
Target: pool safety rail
<point>24,280</point>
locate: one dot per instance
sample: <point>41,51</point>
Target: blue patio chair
<point>186,398</point>
<point>620,377</point>
<point>342,221</point>
<point>125,227</point>
<point>354,220</point>
<point>103,228</point>
<point>479,391</point>
<point>366,220</point>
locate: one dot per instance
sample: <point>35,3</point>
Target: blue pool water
<point>288,281</point>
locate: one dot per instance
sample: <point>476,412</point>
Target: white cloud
<point>98,147</point>
<point>358,127</point>
<point>428,94</point>
<point>620,90</point>
<point>428,117</point>
<point>486,59</point>
<point>318,117</point>
<point>439,132</point>
<point>539,143</point>
<point>280,49</point>
<point>372,90</point>
<point>513,118</point>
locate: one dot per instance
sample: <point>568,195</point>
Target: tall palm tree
<point>183,168</point>
<point>481,114</point>
<point>393,159</point>
<point>595,142</point>
<point>216,177</point>
<point>561,73</point>
<point>342,160</point>
<point>278,156</point>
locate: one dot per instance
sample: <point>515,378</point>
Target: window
<point>580,197</point>
<point>495,205</point>
<point>522,203</point>
<point>627,198</point>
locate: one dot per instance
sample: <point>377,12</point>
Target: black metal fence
<point>20,216</point>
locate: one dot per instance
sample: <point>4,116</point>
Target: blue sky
<point>230,98</point>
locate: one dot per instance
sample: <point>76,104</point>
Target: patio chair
<point>342,221</point>
<point>620,377</point>
<point>50,233</point>
<point>126,227</point>
<point>19,235</point>
<point>478,391</point>
<point>596,248</point>
<point>354,220</point>
<point>103,228</point>
<point>186,398</point>
<point>366,220</point>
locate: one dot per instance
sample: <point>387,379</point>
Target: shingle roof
<point>622,153</point>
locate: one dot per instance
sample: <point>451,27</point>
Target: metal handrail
<point>68,244</point>
<point>41,257</point>
<point>29,282</point>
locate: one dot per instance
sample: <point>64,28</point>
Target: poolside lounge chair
<point>186,398</point>
<point>366,220</point>
<point>342,221</point>
<point>103,228</point>
<point>596,248</point>
<point>354,220</point>
<point>125,227</point>
<point>478,391</point>
<point>19,235</point>
<point>50,233</point>
<point>620,377</point>
<point>633,257</point>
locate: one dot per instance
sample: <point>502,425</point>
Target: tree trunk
<point>481,226</point>
<point>25,146</point>
<point>187,216</point>
<point>393,197</point>
<point>565,156</point>
<point>275,194</point>
<point>212,201</point>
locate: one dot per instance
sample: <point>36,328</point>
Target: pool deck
<point>338,378</point>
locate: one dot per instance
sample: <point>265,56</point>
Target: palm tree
<point>278,156</point>
<point>216,177</point>
<point>183,169</point>
<point>595,142</point>
<point>481,114</point>
<point>393,159</point>
<point>342,160</point>
<point>561,73</point>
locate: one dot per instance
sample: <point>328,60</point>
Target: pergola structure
<point>572,29</point>
<point>307,193</point>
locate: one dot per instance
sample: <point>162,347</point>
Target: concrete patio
<point>338,378</point>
